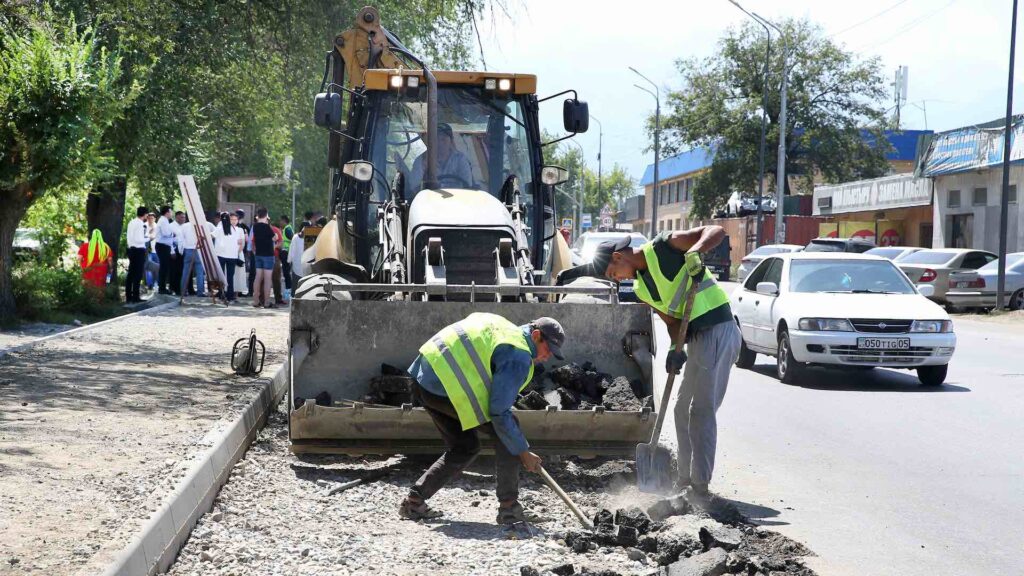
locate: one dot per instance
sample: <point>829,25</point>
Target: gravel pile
<point>582,387</point>
<point>278,515</point>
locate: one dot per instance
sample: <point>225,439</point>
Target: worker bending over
<point>468,375</point>
<point>663,270</point>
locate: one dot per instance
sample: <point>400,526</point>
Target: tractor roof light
<point>504,84</point>
<point>490,84</point>
<point>395,81</point>
<point>412,82</point>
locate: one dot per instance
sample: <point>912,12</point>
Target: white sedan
<point>840,309</point>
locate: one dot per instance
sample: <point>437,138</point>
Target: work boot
<point>417,510</point>
<point>698,496</point>
<point>515,514</point>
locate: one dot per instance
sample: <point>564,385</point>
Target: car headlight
<point>826,324</point>
<point>932,326</point>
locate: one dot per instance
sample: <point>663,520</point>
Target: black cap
<point>553,334</point>
<point>603,254</point>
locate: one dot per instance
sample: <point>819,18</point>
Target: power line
<point>865,21</point>
<point>911,24</point>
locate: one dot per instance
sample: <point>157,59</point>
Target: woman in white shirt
<point>227,242</point>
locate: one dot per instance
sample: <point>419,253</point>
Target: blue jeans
<point>264,262</point>
<point>193,261</point>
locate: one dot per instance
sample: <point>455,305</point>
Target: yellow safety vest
<point>671,292</point>
<point>460,355</point>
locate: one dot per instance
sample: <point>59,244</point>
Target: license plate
<point>963,284</point>
<point>883,343</point>
<point>626,288</point>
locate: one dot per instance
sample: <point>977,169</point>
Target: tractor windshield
<point>481,141</point>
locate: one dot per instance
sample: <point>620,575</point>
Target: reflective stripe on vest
<point>286,242</point>
<point>460,355</point>
<point>671,292</point>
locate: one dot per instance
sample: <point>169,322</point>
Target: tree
<point>616,185</point>
<point>832,99</point>
<point>58,93</point>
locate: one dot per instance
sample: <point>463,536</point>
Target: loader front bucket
<point>348,340</point>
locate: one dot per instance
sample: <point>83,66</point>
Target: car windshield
<point>588,243</point>
<point>851,276</point>
<point>825,246</point>
<point>929,257</point>
<point>482,140</point>
<point>1012,260</point>
<point>889,253</point>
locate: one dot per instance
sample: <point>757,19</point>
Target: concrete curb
<point>156,546</point>
<point>143,312</point>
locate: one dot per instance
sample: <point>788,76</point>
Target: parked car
<point>853,245</point>
<point>894,253</point>
<point>977,288</point>
<point>26,243</point>
<point>584,247</point>
<point>740,204</point>
<point>935,265</point>
<point>751,260</point>
<point>838,309</point>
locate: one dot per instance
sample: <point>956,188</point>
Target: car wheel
<point>747,356</point>
<point>932,375</point>
<point>787,367</point>
<point>1017,300</point>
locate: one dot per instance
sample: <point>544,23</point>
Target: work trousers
<point>177,268</point>
<point>163,252</point>
<point>711,354</point>
<point>192,262</point>
<point>136,270</point>
<point>463,446</point>
<point>250,269</point>
<point>286,269</point>
<point>228,265</point>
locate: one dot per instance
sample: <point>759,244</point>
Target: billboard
<point>890,232</point>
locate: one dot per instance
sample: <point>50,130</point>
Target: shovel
<point>654,463</point>
<point>565,498</point>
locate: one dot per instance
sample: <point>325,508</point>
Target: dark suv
<point>855,245</point>
<point>719,260</point>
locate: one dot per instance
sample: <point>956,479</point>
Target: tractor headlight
<point>412,82</point>
<point>826,324</point>
<point>504,84</point>
<point>490,84</point>
<point>932,326</point>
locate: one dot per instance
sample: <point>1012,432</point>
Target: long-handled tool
<point>565,498</point>
<point>653,462</point>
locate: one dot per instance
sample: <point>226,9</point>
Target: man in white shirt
<point>176,251</point>
<point>192,260</point>
<point>137,237</point>
<point>164,247</point>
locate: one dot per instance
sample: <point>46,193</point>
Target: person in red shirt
<point>95,257</point>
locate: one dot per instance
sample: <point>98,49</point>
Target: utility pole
<point>780,170</point>
<point>657,147</point>
<point>1004,202</point>
<point>581,190</point>
<point>764,122</point>
<point>899,93</point>
<point>600,145</point>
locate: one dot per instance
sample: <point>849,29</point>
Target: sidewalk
<point>96,427</point>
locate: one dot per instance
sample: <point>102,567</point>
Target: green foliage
<point>832,95</point>
<point>615,186</point>
<point>44,293</point>
<point>60,220</point>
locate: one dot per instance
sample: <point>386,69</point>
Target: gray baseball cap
<point>553,334</point>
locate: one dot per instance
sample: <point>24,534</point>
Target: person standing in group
<point>95,257</point>
<point>165,247</point>
<point>137,238</point>
<point>662,271</point>
<point>250,270</point>
<point>263,258</point>
<point>152,264</point>
<point>191,258</point>
<point>287,232</point>
<point>228,240</point>
<point>176,260</point>
<point>276,276</point>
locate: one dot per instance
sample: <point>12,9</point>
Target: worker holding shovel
<point>468,375</point>
<point>664,271</point>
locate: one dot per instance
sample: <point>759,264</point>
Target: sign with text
<point>585,220</point>
<point>899,191</point>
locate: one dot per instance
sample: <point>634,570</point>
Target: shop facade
<point>889,211</point>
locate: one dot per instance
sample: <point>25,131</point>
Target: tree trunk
<point>14,207</point>
<point>104,209</point>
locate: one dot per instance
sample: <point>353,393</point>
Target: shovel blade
<point>653,469</point>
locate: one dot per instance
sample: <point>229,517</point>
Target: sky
<point>956,52</point>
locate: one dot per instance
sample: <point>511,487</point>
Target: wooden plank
<point>215,279</point>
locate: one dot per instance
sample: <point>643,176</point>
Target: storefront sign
<point>889,232</point>
<point>971,148</point>
<point>899,191</point>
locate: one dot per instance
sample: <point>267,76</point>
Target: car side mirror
<point>360,170</point>
<point>768,288</point>
<point>926,290</point>
<point>327,110</point>
<point>575,115</point>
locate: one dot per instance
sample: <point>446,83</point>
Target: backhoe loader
<point>442,207</point>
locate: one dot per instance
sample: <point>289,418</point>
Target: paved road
<point>879,475</point>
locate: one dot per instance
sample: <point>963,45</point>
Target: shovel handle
<point>565,498</point>
<point>680,341</point>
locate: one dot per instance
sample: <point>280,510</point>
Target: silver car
<point>933,267</point>
<point>977,288</point>
<point>894,253</point>
<point>751,260</point>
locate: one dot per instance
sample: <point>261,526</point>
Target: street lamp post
<point>581,190</point>
<point>600,144</point>
<point>780,172</point>
<point>657,147</point>
<point>1004,202</point>
<point>764,123</point>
